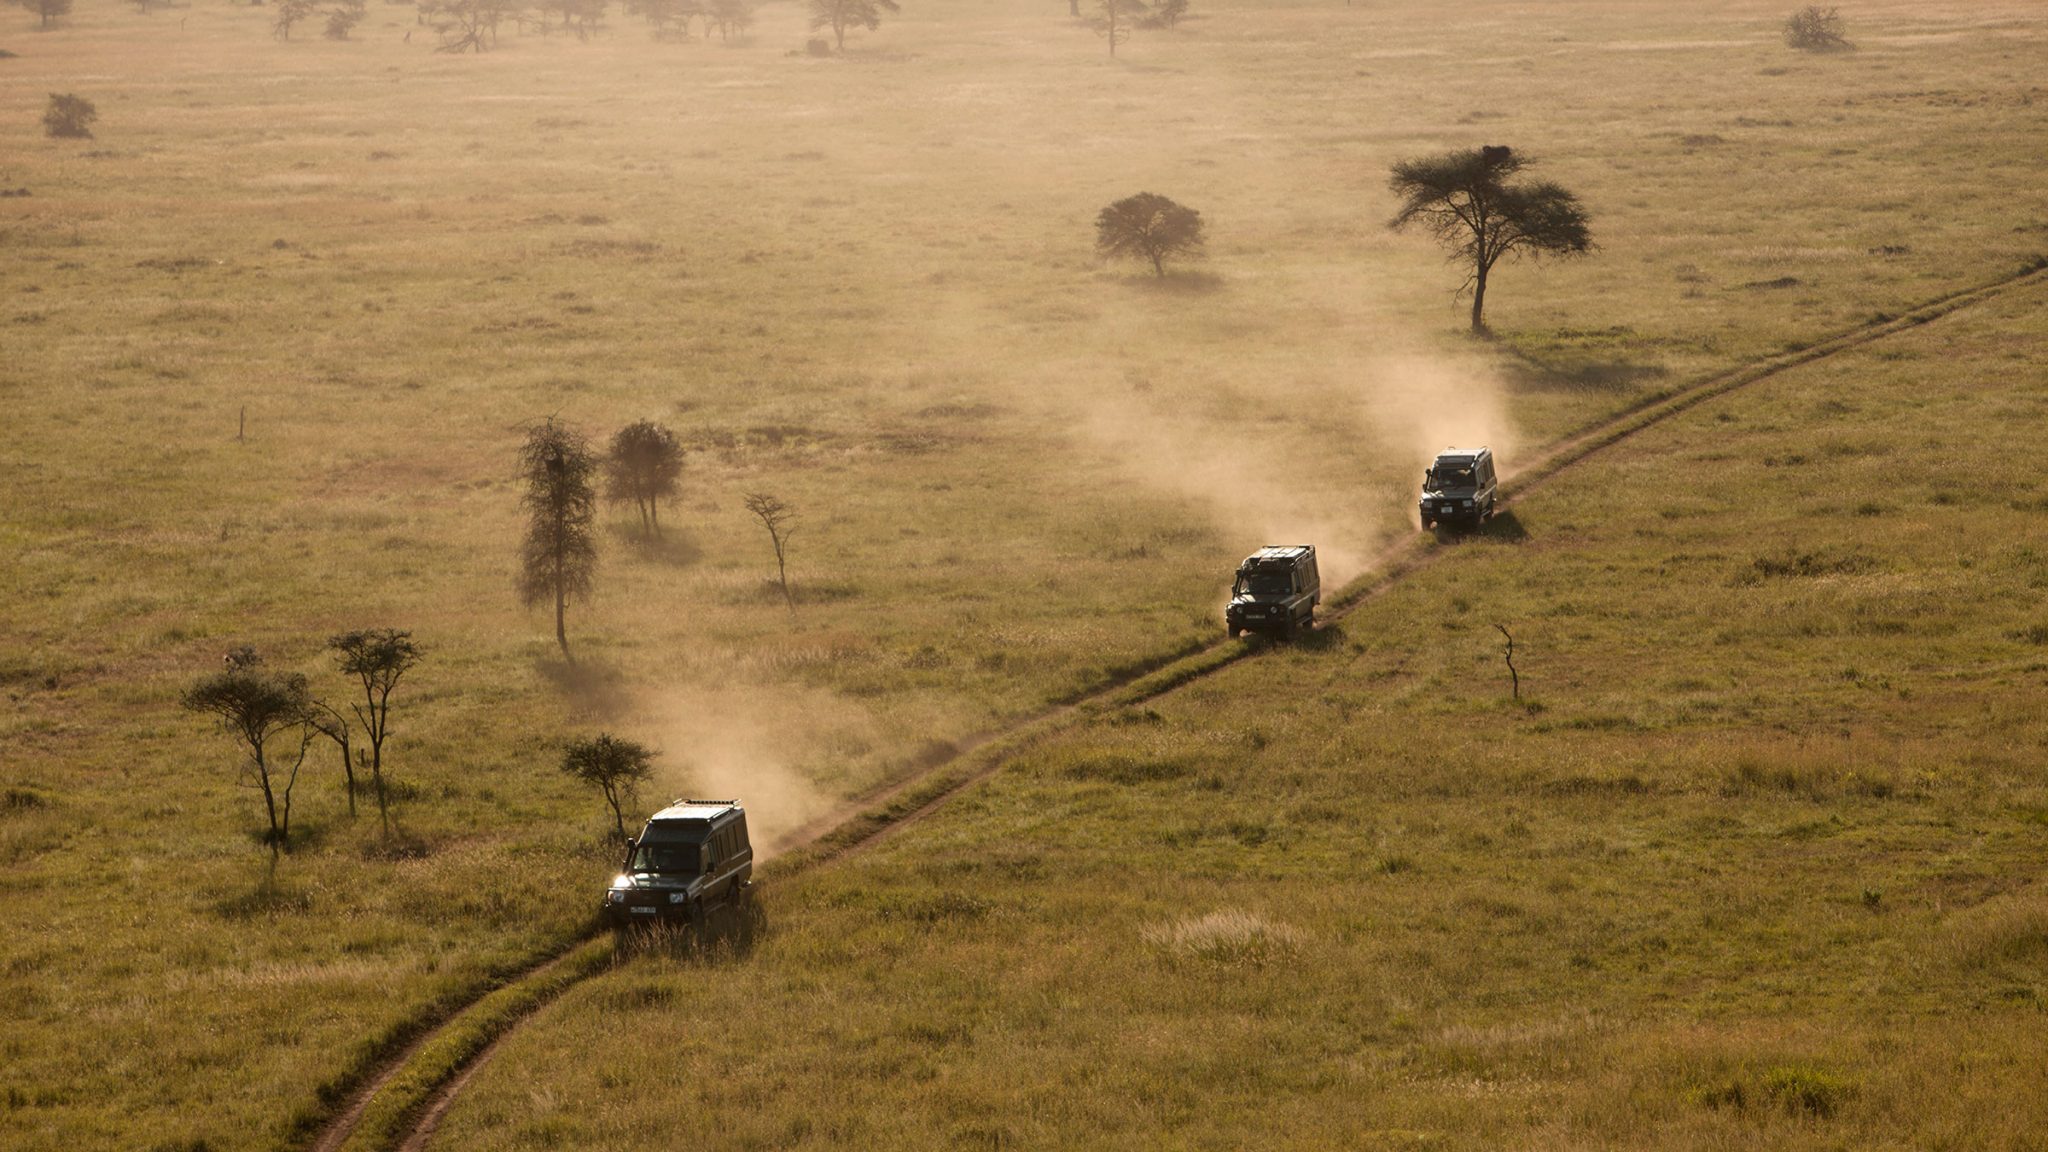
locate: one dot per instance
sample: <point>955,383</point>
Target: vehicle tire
<point>1235,631</point>
<point>1287,629</point>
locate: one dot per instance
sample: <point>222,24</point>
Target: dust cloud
<point>1423,404</point>
<point>747,742</point>
<point>1343,474</point>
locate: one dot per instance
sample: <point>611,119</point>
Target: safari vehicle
<point>1277,591</point>
<point>1459,487</point>
<point>691,858</point>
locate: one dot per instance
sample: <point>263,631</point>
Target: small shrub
<point>1803,565</point>
<point>1816,29</point>
<point>268,901</point>
<point>1805,1091</point>
<point>22,800</point>
<point>1123,768</point>
<point>69,117</point>
<point>936,908</point>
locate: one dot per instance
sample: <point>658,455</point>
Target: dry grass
<point>866,285</point>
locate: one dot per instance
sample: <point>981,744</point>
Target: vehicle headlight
<point>677,897</point>
<point>614,896</point>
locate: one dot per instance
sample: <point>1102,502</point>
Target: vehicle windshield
<point>1449,477</point>
<point>665,858</point>
<point>1264,583</point>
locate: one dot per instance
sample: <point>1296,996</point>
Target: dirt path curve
<point>867,819</point>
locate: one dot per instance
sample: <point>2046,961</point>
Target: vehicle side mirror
<point>632,843</point>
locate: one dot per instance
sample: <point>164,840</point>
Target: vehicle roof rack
<point>734,802</point>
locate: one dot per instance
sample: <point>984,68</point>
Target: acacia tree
<point>642,466</point>
<point>377,658</point>
<point>255,707</point>
<point>466,25</point>
<point>560,553</point>
<point>1115,18</point>
<point>1149,227</point>
<point>616,767</point>
<point>779,519</point>
<point>342,19</point>
<point>288,13</point>
<point>839,15</point>
<point>1464,200</point>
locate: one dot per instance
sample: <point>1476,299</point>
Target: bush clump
<point>69,117</point>
<point>1805,1091</point>
<point>1816,29</point>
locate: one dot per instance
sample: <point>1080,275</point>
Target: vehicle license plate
<point>645,911</point>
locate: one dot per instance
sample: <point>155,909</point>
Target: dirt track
<point>867,819</point>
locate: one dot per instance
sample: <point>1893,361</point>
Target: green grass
<point>866,284</point>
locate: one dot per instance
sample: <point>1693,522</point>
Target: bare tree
<point>377,658</point>
<point>733,18</point>
<point>48,12</point>
<point>560,554</point>
<point>328,721</point>
<point>1464,200</point>
<point>839,15</point>
<point>1115,18</point>
<point>255,707</point>
<point>616,767</point>
<point>581,17</point>
<point>1167,15</point>
<point>779,519</point>
<point>642,466</point>
<point>1816,29</point>
<point>1149,227</point>
<point>69,117</point>
<point>1508,654</point>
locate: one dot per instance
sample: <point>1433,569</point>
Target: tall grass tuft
<point>1229,939</point>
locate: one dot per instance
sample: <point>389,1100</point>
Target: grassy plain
<point>866,284</point>
<point>1755,862</point>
